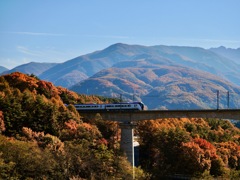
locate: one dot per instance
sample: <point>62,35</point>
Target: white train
<point>124,106</point>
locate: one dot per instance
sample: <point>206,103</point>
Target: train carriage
<point>128,106</point>
<point>89,107</point>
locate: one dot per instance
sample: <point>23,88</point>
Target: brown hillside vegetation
<point>162,86</point>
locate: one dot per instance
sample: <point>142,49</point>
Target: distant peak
<point>222,47</point>
<point>117,45</point>
<point>218,48</point>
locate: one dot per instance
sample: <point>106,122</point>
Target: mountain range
<point>85,66</point>
<point>162,87</point>
<point>162,76</point>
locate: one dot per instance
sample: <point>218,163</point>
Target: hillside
<point>41,138</point>
<point>87,65</point>
<point>82,67</point>
<point>31,68</point>
<point>161,86</point>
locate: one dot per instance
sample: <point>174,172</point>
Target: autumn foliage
<point>190,147</point>
<point>42,138</point>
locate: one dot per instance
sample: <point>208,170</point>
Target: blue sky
<point>59,30</point>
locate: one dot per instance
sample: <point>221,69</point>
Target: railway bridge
<point>126,120</point>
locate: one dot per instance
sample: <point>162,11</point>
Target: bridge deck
<point>127,116</point>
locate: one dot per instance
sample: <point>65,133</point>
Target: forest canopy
<point>42,138</point>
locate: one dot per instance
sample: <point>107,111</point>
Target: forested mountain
<point>42,138</point>
<point>161,86</point>
<point>87,65</point>
<point>2,69</point>
<point>31,68</point>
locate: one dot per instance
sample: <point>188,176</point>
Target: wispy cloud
<point>45,54</point>
<point>108,36</point>
<point>27,51</point>
<point>36,33</point>
<point>59,34</point>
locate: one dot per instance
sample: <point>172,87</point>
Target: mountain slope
<point>87,65</point>
<point>233,54</point>
<point>193,57</point>
<point>31,68</point>
<point>162,87</point>
<point>2,69</point>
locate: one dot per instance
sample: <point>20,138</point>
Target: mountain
<point>233,54</point>
<point>2,69</point>
<point>86,66</point>
<point>168,74</point>
<point>31,68</point>
<point>161,86</point>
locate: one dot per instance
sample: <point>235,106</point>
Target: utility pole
<point>228,99</point>
<point>217,99</point>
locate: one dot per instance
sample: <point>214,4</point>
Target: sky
<point>60,30</point>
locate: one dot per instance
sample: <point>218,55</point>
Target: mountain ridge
<point>31,68</point>
<point>193,57</point>
<point>163,87</point>
<point>2,69</point>
<point>233,54</point>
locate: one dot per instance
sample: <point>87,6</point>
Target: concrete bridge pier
<point>126,144</point>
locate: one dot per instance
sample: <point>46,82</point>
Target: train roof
<point>135,102</point>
